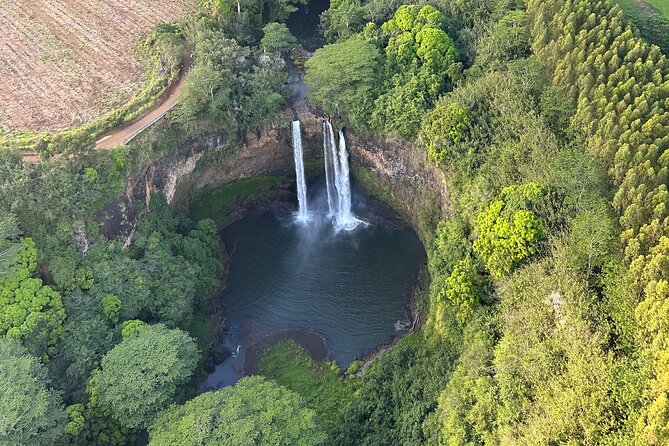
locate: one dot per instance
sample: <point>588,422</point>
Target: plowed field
<point>65,62</point>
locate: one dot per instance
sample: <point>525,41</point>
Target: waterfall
<point>345,217</point>
<point>302,213</point>
<point>338,182</point>
<point>329,152</point>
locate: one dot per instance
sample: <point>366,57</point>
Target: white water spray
<point>303,212</point>
<point>338,181</point>
<point>330,156</point>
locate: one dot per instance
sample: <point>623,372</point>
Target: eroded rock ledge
<point>395,170</point>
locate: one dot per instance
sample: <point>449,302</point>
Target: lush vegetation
<point>552,276</point>
<point>253,412</point>
<point>143,373</point>
<point>420,62</point>
<point>94,333</point>
<point>97,290</point>
<point>545,315</point>
<point>320,383</point>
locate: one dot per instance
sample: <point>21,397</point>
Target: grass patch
<point>320,383</point>
<point>646,7</point>
<point>661,5</point>
<point>652,19</point>
<point>221,203</point>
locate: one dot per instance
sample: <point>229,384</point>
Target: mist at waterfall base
<point>352,288</point>
<point>337,180</point>
<point>321,271</point>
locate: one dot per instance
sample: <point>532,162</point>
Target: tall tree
<point>277,37</point>
<point>30,413</point>
<point>255,412</point>
<point>144,373</point>
<point>343,78</point>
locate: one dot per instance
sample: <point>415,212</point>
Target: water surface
<point>351,288</point>
<point>305,24</point>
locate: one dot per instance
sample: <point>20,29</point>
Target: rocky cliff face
<point>268,152</point>
<point>118,219</point>
<point>396,172</point>
<point>392,170</point>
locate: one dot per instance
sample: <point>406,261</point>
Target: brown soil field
<point>65,62</point>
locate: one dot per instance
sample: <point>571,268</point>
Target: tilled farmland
<point>65,62</point>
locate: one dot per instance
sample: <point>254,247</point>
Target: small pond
<point>350,288</point>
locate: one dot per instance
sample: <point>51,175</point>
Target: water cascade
<point>338,180</point>
<point>302,213</point>
<point>330,162</point>
<point>345,217</point>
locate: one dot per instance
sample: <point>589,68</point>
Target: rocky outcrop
<point>391,170</point>
<point>399,175</point>
<point>117,220</point>
<point>267,152</point>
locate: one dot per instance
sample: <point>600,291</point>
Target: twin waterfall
<point>337,178</point>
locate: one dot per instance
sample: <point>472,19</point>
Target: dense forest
<point>546,315</point>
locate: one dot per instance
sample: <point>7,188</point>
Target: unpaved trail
<point>125,134</point>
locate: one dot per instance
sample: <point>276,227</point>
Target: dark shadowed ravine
<point>350,288</point>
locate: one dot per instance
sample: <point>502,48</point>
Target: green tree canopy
<point>30,413</point>
<point>230,86</point>
<point>277,38</point>
<point>464,288</point>
<point>144,373</point>
<point>444,127</point>
<point>255,412</point>
<point>171,268</point>
<point>343,18</point>
<point>343,78</point>
<point>421,63</point>
<point>508,231</point>
<point>30,312</point>
<point>87,336</point>
<point>507,40</point>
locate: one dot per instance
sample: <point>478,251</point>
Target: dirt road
<point>125,134</point>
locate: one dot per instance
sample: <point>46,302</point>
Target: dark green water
<point>305,23</point>
<point>351,288</point>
